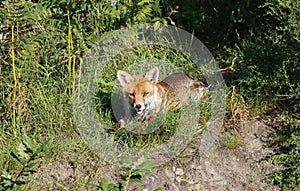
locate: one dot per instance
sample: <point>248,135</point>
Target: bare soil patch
<point>221,168</point>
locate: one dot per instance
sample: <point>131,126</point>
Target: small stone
<point>152,178</point>
<point>179,172</point>
<point>178,179</point>
<point>174,168</point>
<point>170,174</point>
<point>195,167</point>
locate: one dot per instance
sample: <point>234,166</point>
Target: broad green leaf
<point>104,184</point>
<point>156,25</point>
<point>22,151</point>
<point>146,165</point>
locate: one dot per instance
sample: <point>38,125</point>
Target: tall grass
<point>260,39</point>
<point>14,73</point>
<point>43,43</point>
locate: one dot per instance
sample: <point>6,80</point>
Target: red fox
<point>148,96</point>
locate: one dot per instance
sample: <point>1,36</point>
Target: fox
<point>147,95</point>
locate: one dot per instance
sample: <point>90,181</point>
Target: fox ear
<point>124,78</point>
<point>152,75</point>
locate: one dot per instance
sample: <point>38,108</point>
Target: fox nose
<point>138,106</point>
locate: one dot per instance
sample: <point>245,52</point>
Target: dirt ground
<point>242,168</point>
<point>220,169</point>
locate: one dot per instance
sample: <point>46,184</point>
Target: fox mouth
<point>139,112</point>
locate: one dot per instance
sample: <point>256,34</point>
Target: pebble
<point>178,179</point>
<point>170,174</point>
<point>179,172</point>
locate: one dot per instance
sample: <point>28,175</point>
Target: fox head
<point>141,90</point>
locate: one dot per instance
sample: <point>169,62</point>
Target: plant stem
<point>127,180</point>
<point>73,70</point>
<point>70,56</point>
<point>14,72</point>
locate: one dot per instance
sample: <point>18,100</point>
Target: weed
<point>231,140</point>
<point>238,109</point>
<point>27,156</point>
<point>131,177</point>
<point>43,42</point>
<point>287,140</point>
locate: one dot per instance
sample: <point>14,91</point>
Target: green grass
<point>287,141</point>
<point>230,140</point>
<point>138,61</point>
<point>160,130</point>
<point>46,116</point>
<point>43,44</point>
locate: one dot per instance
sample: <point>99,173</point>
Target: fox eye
<point>146,93</point>
<point>131,94</point>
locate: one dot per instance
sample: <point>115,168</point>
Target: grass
<point>230,140</point>
<point>48,117</point>
<point>286,141</point>
<point>164,129</point>
<point>42,45</point>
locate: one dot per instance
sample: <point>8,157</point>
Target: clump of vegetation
<point>131,178</point>
<point>260,40</point>
<point>27,156</point>
<point>287,141</point>
<point>231,140</point>
<point>43,43</point>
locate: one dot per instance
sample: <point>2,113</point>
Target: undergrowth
<point>43,43</point>
<point>287,143</point>
<point>130,179</point>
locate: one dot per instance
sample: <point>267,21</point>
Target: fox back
<point>186,87</point>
